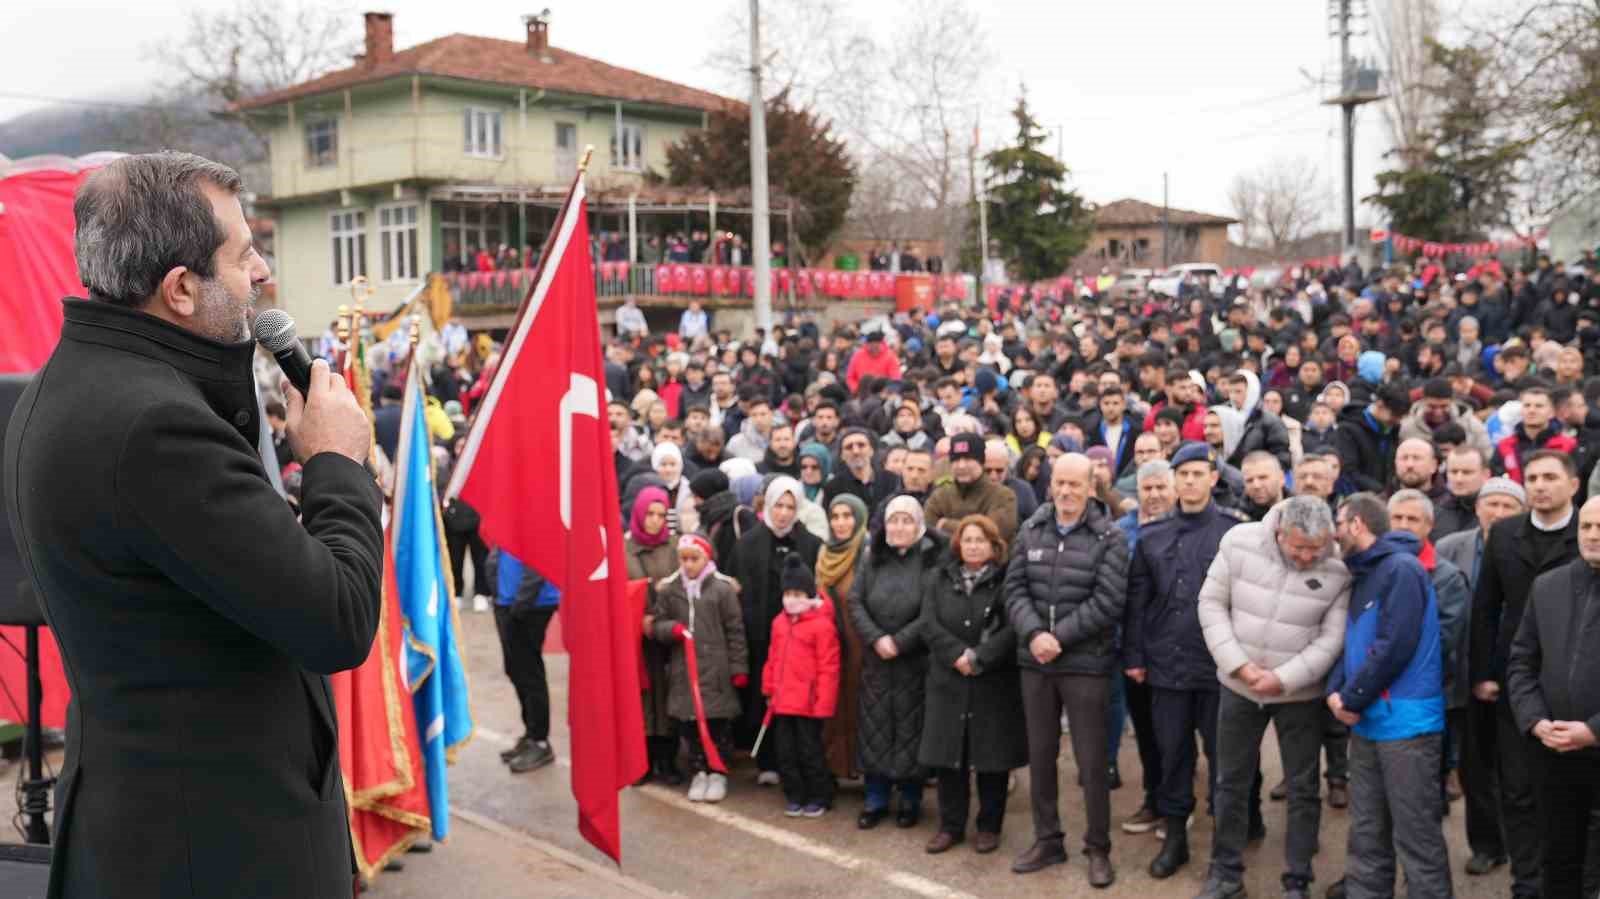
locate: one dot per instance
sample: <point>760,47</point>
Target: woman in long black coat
<point>757,565</point>
<point>885,607</point>
<point>974,720</point>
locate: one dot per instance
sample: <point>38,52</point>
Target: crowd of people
<point>1355,506</point>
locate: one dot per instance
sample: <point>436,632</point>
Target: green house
<point>409,161</point>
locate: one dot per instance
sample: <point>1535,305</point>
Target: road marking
<point>905,880</point>
<point>530,841</point>
<point>895,877</point>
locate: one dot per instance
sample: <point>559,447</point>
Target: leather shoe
<point>536,756</point>
<point>908,817</point>
<point>984,843</point>
<point>1174,851</point>
<point>871,818</point>
<point>942,842</point>
<point>1481,864</point>
<point>521,746</point>
<point>1217,888</point>
<point>1338,795</point>
<point>1101,874</point>
<point>1039,856</point>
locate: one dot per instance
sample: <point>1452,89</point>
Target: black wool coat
<point>197,619</point>
<point>982,713</point>
<point>886,600</point>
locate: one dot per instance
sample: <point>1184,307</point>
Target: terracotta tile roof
<point>1127,213</point>
<point>503,62</point>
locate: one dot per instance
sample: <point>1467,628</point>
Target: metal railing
<point>713,282</point>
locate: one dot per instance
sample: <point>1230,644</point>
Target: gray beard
<point>221,317</point>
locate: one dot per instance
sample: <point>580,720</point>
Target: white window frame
<point>398,256</point>
<point>483,132</point>
<point>633,150</point>
<point>312,161</point>
<point>347,229</point>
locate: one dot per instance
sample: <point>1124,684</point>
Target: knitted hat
<point>797,575</point>
<point>695,541</point>
<point>1503,487</point>
<point>966,446</point>
<point>708,483</point>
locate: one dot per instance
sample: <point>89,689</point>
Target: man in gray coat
<point>1273,613</point>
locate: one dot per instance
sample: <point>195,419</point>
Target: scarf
<point>906,505</point>
<point>837,561</point>
<point>692,585</point>
<point>969,576</point>
<point>641,505</point>
<point>799,605</point>
<point>780,485</point>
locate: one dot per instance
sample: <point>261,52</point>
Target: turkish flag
<point>538,468</point>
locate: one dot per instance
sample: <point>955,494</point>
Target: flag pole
<point>458,477</point>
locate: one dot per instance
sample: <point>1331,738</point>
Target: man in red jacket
<point>874,359</point>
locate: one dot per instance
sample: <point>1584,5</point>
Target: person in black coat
<point>757,564</point>
<point>974,718</point>
<point>885,607</point>
<point>1163,644</point>
<point>1365,438</point>
<point>1553,680</point>
<point>197,618</point>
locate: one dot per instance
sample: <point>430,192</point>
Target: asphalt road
<point>525,838</point>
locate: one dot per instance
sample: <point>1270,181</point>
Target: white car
<point>1167,282</point>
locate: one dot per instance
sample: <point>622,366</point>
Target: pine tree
<point>1039,223</point>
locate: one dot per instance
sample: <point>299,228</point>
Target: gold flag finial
<point>341,327</point>
<point>583,165</point>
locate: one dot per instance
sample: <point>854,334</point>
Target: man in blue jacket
<point>1389,690</point>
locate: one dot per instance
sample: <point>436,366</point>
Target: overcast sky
<point>1200,91</point>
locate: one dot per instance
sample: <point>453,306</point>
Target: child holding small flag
<point>801,683</point>
<point>696,609</point>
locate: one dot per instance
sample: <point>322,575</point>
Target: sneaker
<point>536,756</point>
<point>793,810</point>
<point>1217,888</point>
<point>768,779</point>
<point>698,786</point>
<point>1143,821</point>
<point>521,747</point>
<point>480,603</point>
<point>814,810</point>
<point>716,787</point>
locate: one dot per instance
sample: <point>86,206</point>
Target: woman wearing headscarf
<point>652,555</point>
<point>974,691</point>
<point>885,605</point>
<point>667,460</point>
<point>757,564</point>
<point>817,472</point>
<point>836,571</point>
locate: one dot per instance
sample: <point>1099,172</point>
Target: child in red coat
<point>801,683</point>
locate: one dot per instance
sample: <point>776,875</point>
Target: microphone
<point>274,330</point>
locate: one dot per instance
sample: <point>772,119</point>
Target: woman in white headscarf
<point>757,565</point>
<point>885,603</point>
<point>667,461</point>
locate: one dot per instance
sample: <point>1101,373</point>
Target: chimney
<point>538,35</point>
<point>380,38</point>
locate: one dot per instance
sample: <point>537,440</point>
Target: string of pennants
<point>1406,244</point>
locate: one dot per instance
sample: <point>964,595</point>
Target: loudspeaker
<point>17,603</point>
<point>24,870</point>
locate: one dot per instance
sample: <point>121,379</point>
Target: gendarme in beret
<point>1194,452</point>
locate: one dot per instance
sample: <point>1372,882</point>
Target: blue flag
<point>435,673</point>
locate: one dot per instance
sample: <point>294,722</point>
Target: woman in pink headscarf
<point>652,556</point>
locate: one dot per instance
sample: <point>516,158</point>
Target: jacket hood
<point>1252,397</point>
<point>1392,543</point>
<point>1369,366</point>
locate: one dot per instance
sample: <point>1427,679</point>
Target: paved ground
<point>520,833</point>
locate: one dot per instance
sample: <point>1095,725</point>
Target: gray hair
<point>1155,468</point>
<point>1410,495</point>
<point>1468,318</point>
<point>1307,514</point>
<point>142,216</point>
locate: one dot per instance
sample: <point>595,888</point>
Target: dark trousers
<point>1178,714</point>
<point>1480,779</point>
<point>458,544</point>
<point>1514,757</point>
<point>955,799</point>
<point>1144,734</point>
<point>1085,698</point>
<point>1569,787</point>
<point>689,735</point>
<point>1335,748</point>
<point>1396,813</point>
<point>522,648</point>
<point>1240,726</point>
<point>801,764</point>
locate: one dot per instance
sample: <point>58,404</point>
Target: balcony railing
<point>713,282</point>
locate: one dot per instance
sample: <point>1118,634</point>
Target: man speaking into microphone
<point>197,619</point>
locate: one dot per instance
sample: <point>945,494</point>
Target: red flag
<point>537,467</point>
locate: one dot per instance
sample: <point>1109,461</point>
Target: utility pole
<point>761,236</point>
<point>1357,86</point>
<point>1164,229</point>
<point>980,194</point>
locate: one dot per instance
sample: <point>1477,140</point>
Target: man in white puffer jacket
<point>1273,613</point>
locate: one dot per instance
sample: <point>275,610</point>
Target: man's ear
<point>178,294</point>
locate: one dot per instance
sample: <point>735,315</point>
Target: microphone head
<point>274,329</point>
